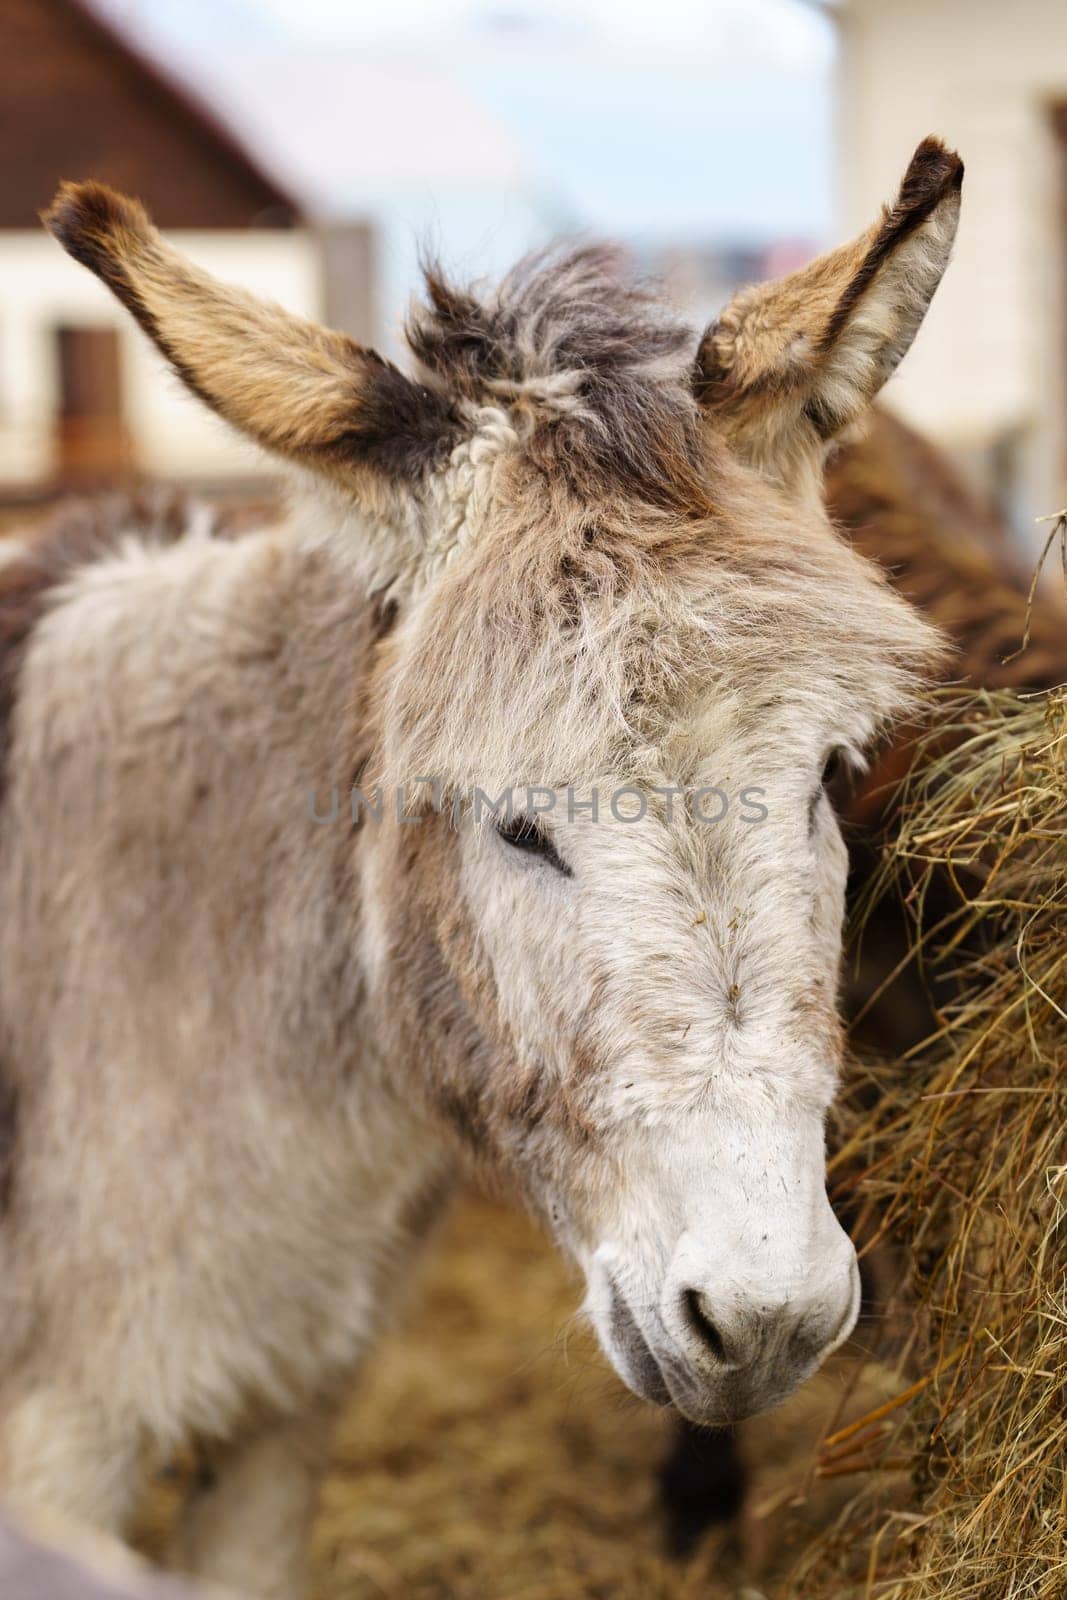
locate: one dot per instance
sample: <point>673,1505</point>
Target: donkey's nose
<point>732,1333</point>
<point>720,1339</point>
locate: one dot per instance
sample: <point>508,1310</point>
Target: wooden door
<point>92,445</point>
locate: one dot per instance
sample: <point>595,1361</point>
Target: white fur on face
<point>679,990</point>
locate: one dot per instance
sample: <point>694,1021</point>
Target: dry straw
<point>957,1163</point>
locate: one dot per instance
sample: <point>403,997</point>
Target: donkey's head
<point>621,613</point>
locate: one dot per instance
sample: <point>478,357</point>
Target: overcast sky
<point>778,30</point>
<point>665,118</point>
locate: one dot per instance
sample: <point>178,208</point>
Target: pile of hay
<point>957,1161</point>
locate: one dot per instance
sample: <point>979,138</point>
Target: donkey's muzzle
<point>754,1352</point>
<point>728,1347</point>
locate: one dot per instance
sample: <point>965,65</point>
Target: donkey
<point>250,1035</point>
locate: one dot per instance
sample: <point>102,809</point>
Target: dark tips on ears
<point>85,219</point>
<point>83,215</point>
<point>934,173</point>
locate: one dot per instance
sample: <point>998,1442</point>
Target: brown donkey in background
<point>248,1039</point>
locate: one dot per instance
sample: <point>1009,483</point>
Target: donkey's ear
<point>790,363</point>
<point>303,391</point>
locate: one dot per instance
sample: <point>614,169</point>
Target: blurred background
<point>307,148</point>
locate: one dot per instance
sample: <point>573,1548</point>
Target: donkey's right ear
<point>790,363</point>
<point>300,390</point>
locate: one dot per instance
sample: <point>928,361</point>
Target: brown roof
<point>79,99</point>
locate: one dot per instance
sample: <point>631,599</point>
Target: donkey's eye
<point>523,833</point>
<point>834,784</point>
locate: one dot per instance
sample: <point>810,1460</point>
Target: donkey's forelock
<point>592,356</point>
<point>561,317</point>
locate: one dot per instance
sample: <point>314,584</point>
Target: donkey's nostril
<point>702,1325</point>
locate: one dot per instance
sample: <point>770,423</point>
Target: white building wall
<point>988,365</point>
<point>174,435</point>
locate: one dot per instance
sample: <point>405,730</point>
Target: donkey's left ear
<point>302,391</point>
<point>790,363</point>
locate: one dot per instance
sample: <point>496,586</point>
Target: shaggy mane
<point>598,362</point>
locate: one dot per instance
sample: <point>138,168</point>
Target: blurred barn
<point>84,400</point>
<point>988,375</point>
